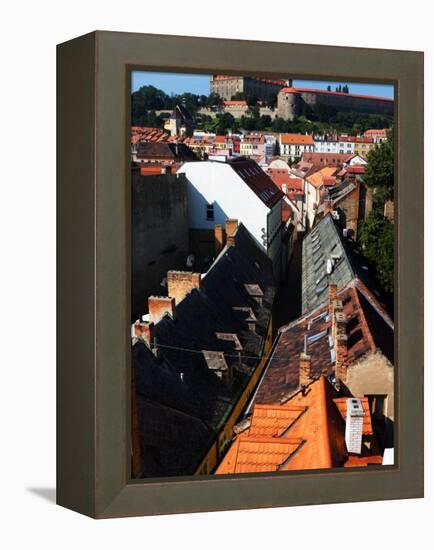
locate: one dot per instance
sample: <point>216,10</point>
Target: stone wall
<point>290,104</point>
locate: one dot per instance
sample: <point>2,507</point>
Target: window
<point>210,212</point>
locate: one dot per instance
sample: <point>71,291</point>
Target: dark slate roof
<point>258,181</point>
<point>368,328</point>
<point>198,317</point>
<point>164,151</point>
<point>321,244</point>
<point>337,193</point>
<point>170,440</point>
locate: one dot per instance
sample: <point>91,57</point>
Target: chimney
<point>339,320</point>
<point>219,239</point>
<point>305,370</point>
<point>142,329</point>
<point>181,283</point>
<point>354,425</point>
<point>159,306</point>
<point>231,227</point>
<point>333,295</point>
<point>341,349</point>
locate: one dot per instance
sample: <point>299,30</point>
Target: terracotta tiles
<point>307,432</point>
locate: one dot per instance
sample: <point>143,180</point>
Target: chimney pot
<point>181,283</point>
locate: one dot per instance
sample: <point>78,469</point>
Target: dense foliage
<point>376,235</point>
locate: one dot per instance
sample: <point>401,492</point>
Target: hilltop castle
<point>290,102</point>
<point>226,86</point>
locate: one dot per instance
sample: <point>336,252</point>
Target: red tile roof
<point>281,176</point>
<point>327,159</point>
<point>356,169</point>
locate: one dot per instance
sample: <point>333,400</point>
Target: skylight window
<point>320,289</point>
<point>316,337</point>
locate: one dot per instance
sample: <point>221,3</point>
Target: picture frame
<point>93,339</point>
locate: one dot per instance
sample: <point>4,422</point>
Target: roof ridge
<point>360,285</point>
<point>353,272</point>
<point>242,438</point>
<point>325,428</point>
<point>365,322</point>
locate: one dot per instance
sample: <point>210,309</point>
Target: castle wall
<point>290,104</point>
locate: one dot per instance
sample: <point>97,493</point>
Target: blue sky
<point>178,83</point>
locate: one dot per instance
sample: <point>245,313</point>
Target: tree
<point>376,241</point>
<point>253,111</point>
<point>225,122</point>
<point>213,100</point>
<point>379,169</point>
<point>345,89</point>
<point>251,100</point>
<point>376,233</point>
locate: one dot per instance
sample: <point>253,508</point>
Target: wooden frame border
<point>94,273</point>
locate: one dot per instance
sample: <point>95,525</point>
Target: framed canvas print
<point>240,272</point>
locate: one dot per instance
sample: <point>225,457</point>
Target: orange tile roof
<point>307,432</point>
<point>289,139</point>
<point>258,454</point>
<point>374,132</point>
<point>240,102</point>
<point>317,178</point>
<point>272,421</point>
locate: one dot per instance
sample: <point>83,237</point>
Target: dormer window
<point>210,212</point>
<point>230,337</point>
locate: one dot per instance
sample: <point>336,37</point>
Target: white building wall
<point>216,183</point>
<point>312,196</point>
